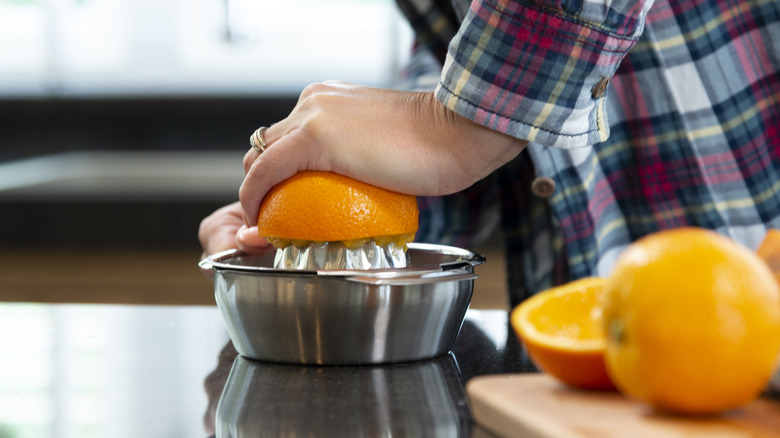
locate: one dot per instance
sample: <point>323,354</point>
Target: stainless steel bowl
<point>345,317</point>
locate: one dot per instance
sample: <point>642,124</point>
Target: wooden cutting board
<point>536,406</point>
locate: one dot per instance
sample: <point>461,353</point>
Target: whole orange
<point>327,207</point>
<point>562,333</point>
<point>692,320</point>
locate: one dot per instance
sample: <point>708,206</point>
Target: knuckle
<point>320,93</point>
<point>335,83</point>
<point>314,89</point>
<point>314,101</point>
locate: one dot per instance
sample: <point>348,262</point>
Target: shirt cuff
<point>535,73</point>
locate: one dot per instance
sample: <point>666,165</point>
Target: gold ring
<point>257,140</point>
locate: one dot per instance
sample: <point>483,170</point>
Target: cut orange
<point>561,330</point>
<point>326,207</point>
<point>692,321</point>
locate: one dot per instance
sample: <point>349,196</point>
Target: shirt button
<point>600,88</point>
<point>543,186</point>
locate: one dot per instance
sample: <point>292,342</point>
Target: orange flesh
<point>561,331</point>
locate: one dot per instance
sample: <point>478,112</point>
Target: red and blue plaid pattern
<point>529,70</point>
<point>688,132</point>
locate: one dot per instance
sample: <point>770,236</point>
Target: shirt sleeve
<point>538,70</point>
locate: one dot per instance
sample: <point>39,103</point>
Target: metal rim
<point>465,257</point>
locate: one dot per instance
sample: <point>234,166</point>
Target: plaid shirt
<point>686,133</point>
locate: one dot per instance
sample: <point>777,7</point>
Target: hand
<point>403,141</point>
<point>224,229</point>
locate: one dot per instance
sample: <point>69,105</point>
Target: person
<point>574,127</point>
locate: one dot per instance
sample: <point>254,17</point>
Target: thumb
<point>249,240</point>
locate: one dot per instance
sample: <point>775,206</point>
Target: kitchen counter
<point>108,370</point>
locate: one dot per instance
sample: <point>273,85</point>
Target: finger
<point>217,231</point>
<point>249,240</point>
<point>249,158</point>
<point>270,135</point>
<point>251,155</point>
<point>222,239</point>
<point>290,154</point>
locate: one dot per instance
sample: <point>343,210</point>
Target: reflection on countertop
<point>126,371</point>
<point>392,400</point>
<point>422,398</point>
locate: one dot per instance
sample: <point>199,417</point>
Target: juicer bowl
<point>344,317</point>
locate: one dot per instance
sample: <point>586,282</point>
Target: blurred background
<point>123,123</point>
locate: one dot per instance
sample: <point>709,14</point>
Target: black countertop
<point>117,370</point>
<point>422,398</point>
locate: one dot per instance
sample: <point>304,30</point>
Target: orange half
<point>314,206</point>
<point>561,330</point>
